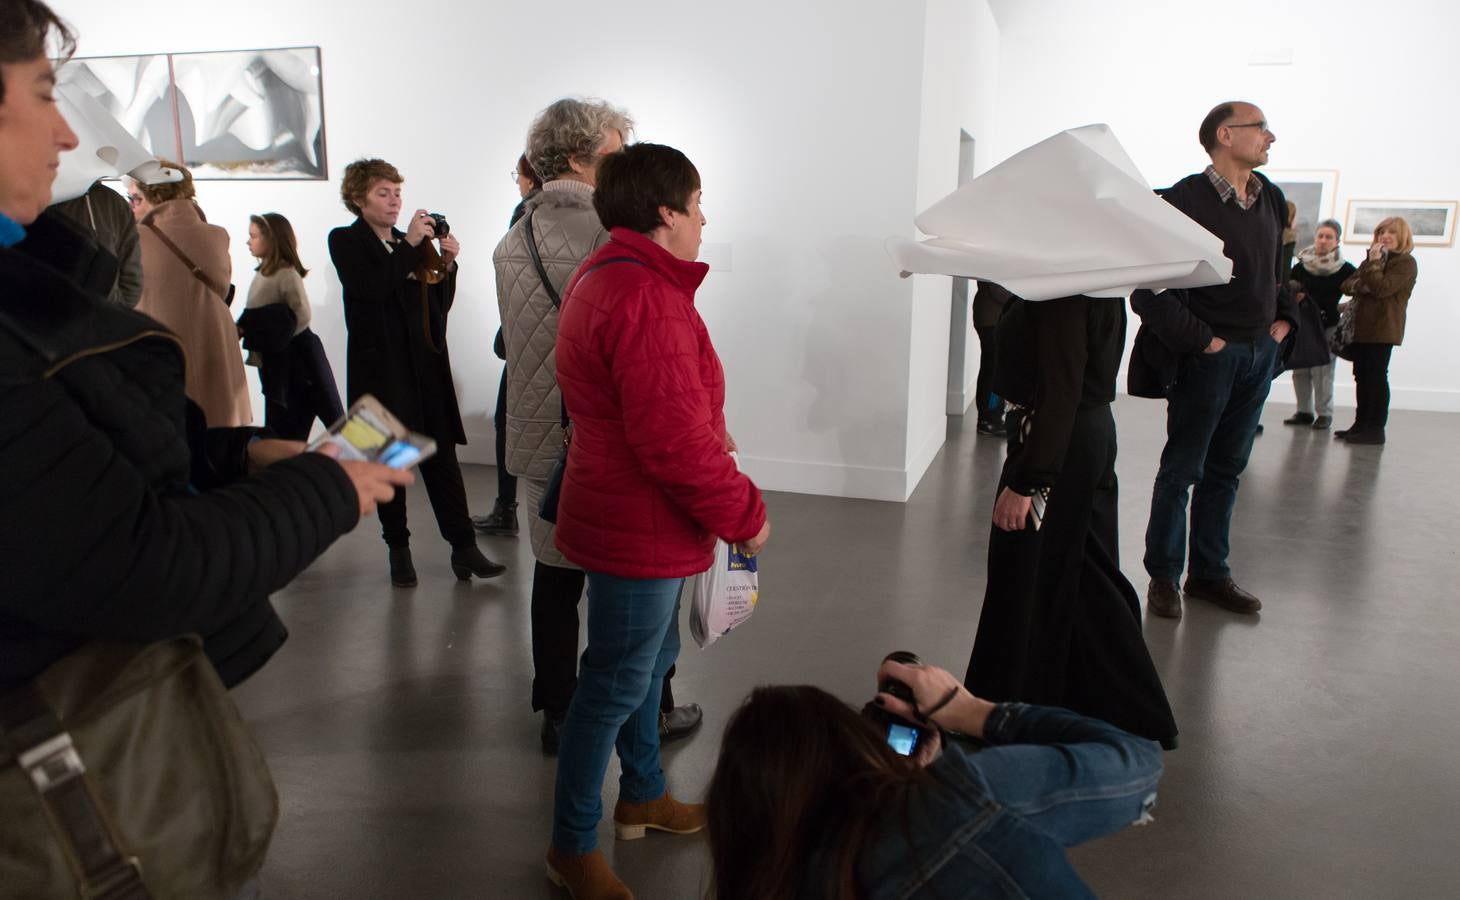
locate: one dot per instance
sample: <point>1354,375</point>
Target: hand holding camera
<point>422,227</point>
<point>929,695</point>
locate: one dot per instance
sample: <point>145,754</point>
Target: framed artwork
<point>1432,221</point>
<point>234,114</point>
<point>1313,191</point>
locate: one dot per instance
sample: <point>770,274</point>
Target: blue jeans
<point>1211,419</point>
<point>633,639</point>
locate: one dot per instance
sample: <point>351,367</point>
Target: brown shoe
<point>631,820</point>
<point>1224,592</point>
<point>587,876</point>
<point>1163,599</point>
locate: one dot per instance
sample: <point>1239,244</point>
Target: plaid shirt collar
<point>1226,190</point>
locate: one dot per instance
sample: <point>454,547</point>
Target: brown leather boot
<point>631,820</point>
<point>587,876</point>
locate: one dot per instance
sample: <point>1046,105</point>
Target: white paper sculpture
<point>1070,215</point>
<point>104,149</point>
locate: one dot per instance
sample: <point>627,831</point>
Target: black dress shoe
<point>1323,422</point>
<point>1365,436</point>
<point>1163,599</point>
<point>501,520</point>
<point>468,560</point>
<point>993,427</point>
<point>1301,418</point>
<point>552,723</point>
<point>679,722</point>
<point>1224,592</point>
<point>1343,433</point>
<point>402,572</point>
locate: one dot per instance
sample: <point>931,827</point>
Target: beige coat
<point>171,294</point>
<point>567,231</point>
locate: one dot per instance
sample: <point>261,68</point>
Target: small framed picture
<point>1313,192</point>
<point>1431,221</point>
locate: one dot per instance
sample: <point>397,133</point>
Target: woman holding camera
<point>1380,291</point>
<point>397,295</point>
<point>809,800</point>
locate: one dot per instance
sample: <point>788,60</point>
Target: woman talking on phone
<point>1380,291</point>
<point>1061,625</point>
<point>397,295</point>
<point>809,799</point>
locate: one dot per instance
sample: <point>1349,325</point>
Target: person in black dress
<point>396,322</point>
<point>1061,625</point>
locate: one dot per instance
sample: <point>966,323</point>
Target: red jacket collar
<point>683,274</point>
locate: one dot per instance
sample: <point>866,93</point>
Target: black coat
<point>388,352</point>
<point>125,519</point>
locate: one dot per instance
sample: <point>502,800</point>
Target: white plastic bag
<point>724,595</point>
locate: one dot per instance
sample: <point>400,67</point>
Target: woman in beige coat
<point>185,286</point>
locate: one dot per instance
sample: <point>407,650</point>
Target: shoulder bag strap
<point>223,293</point>
<point>537,262</point>
<point>31,734</point>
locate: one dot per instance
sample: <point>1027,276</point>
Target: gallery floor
<point>1319,741</point>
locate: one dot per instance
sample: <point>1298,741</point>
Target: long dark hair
<point>283,249</point>
<point>796,766</point>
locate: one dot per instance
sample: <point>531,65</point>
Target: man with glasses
<point>1227,337</point>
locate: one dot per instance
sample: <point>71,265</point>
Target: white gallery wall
<point>804,119</point>
<point>1370,91</point>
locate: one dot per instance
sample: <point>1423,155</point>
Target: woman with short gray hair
<point>534,261</point>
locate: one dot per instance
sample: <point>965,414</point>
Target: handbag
<point>1343,335</point>
<point>126,773</point>
<point>547,510</point>
<point>1307,347</point>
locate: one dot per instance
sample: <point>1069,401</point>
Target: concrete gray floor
<point>1318,753</point>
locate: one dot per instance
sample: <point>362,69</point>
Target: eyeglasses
<point>1260,125</point>
<point>515,175</point>
<point>134,199</point>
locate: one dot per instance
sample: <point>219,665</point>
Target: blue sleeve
<point>1072,777</point>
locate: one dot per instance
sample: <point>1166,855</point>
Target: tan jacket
<point>1381,298</point>
<point>171,294</point>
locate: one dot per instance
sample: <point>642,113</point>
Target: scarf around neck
<point>1326,264</point>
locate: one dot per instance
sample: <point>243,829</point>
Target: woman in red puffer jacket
<point>649,486</point>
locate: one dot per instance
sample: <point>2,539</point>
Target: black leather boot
<point>402,572</point>
<point>468,560</point>
<point>501,520</point>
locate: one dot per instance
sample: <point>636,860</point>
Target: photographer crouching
<point>930,792</point>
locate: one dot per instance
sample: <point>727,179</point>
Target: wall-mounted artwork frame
<point>231,114</point>
<point>1432,221</point>
<point>1314,191</point>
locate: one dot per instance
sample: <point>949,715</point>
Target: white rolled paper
<point>1069,215</point>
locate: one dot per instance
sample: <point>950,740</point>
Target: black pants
<point>444,486</point>
<point>556,592</point>
<point>506,481</point>
<point>1371,385</point>
<point>293,422</point>
<point>990,407</point>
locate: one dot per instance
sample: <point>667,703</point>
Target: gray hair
<point>572,127</point>
<point>1330,223</point>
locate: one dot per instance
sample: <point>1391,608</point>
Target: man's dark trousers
<point>1211,419</point>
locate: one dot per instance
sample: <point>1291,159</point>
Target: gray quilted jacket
<point>567,231</point>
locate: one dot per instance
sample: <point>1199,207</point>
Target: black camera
<point>440,229</point>
<point>903,736</point>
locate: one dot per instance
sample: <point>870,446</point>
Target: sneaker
<point>1322,422</point>
<point>1224,592</point>
<point>587,876</point>
<point>679,722</point>
<point>1163,599</point>
<point>632,821</point>
<point>1300,418</point>
<point>501,520</point>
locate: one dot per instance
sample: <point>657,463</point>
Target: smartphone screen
<point>400,455</point>
<point>903,738</point>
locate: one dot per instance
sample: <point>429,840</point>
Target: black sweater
<point>1244,308</point>
<point>1325,290</point>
